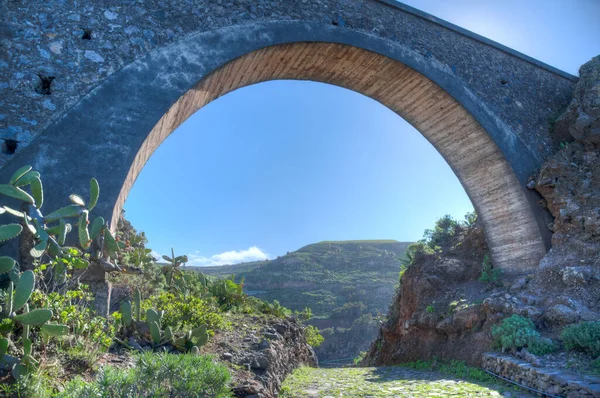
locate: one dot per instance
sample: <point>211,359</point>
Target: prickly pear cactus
<point>125,309</point>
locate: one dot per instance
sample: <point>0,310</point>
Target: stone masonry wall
<point>555,382</point>
<point>53,52</point>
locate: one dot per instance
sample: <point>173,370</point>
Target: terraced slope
<point>345,283</point>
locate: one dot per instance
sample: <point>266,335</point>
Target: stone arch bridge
<point>92,88</point>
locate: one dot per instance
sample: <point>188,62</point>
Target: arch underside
<point>511,229</point>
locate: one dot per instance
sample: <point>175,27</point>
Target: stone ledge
<point>556,382</point>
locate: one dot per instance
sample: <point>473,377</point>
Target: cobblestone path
<point>385,382</point>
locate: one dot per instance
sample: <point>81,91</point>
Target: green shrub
<point>596,366</point>
<point>349,310</point>
<point>444,229</point>
<point>414,253</point>
<point>30,385</point>
<point>273,308</point>
<point>359,358</point>
<point>516,332</point>
<point>430,309</point>
<point>157,375</point>
<point>73,309</point>
<point>583,336</point>
<point>488,273</point>
<point>313,336</point>
<point>184,312</point>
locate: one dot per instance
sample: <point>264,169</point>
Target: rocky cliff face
<point>569,181</point>
<point>439,309</point>
<point>442,309</point>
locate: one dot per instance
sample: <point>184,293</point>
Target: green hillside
<point>340,281</point>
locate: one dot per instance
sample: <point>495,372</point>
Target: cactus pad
<point>154,331</point>
<point>37,191</point>
<point>17,193</point>
<point>14,275</point>
<point>70,211</point>
<point>34,318</point>
<point>53,329</point>
<point>168,334</point>
<point>27,179</point>
<point>110,243</point>
<point>53,248</point>
<point>76,199</point>
<point>62,233</point>
<point>96,227</point>
<point>20,173</point>
<point>84,234</point>
<point>6,264</point>
<point>9,231</point>
<point>94,193</point>
<point>137,299</point>
<point>152,316</point>
<point>199,336</point>
<point>38,250</point>
<point>27,343</point>
<point>125,309</point>
<point>23,290</point>
<point>14,212</point>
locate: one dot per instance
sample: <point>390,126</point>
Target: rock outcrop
<point>261,353</point>
<point>443,310</point>
<point>569,180</point>
<point>439,310</point>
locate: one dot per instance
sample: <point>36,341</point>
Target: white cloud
<point>231,257</point>
<point>156,255</point>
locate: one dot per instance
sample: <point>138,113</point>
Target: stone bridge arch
<point>111,131</point>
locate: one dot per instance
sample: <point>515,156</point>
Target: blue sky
<point>272,167</point>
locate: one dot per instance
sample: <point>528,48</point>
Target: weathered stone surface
<point>582,118</point>
<point>561,314</point>
<point>569,183</point>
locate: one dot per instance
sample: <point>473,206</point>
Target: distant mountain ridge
<point>341,281</point>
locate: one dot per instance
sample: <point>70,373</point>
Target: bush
<point>157,375</point>
<point>489,274</point>
<point>445,228</point>
<point>516,332</point>
<point>596,366</point>
<point>583,336</point>
<point>72,308</point>
<point>184,312</point>
<point>359,358</point>
<point>414,253</point>
<point>313,336</point>
<point>349,310</point>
